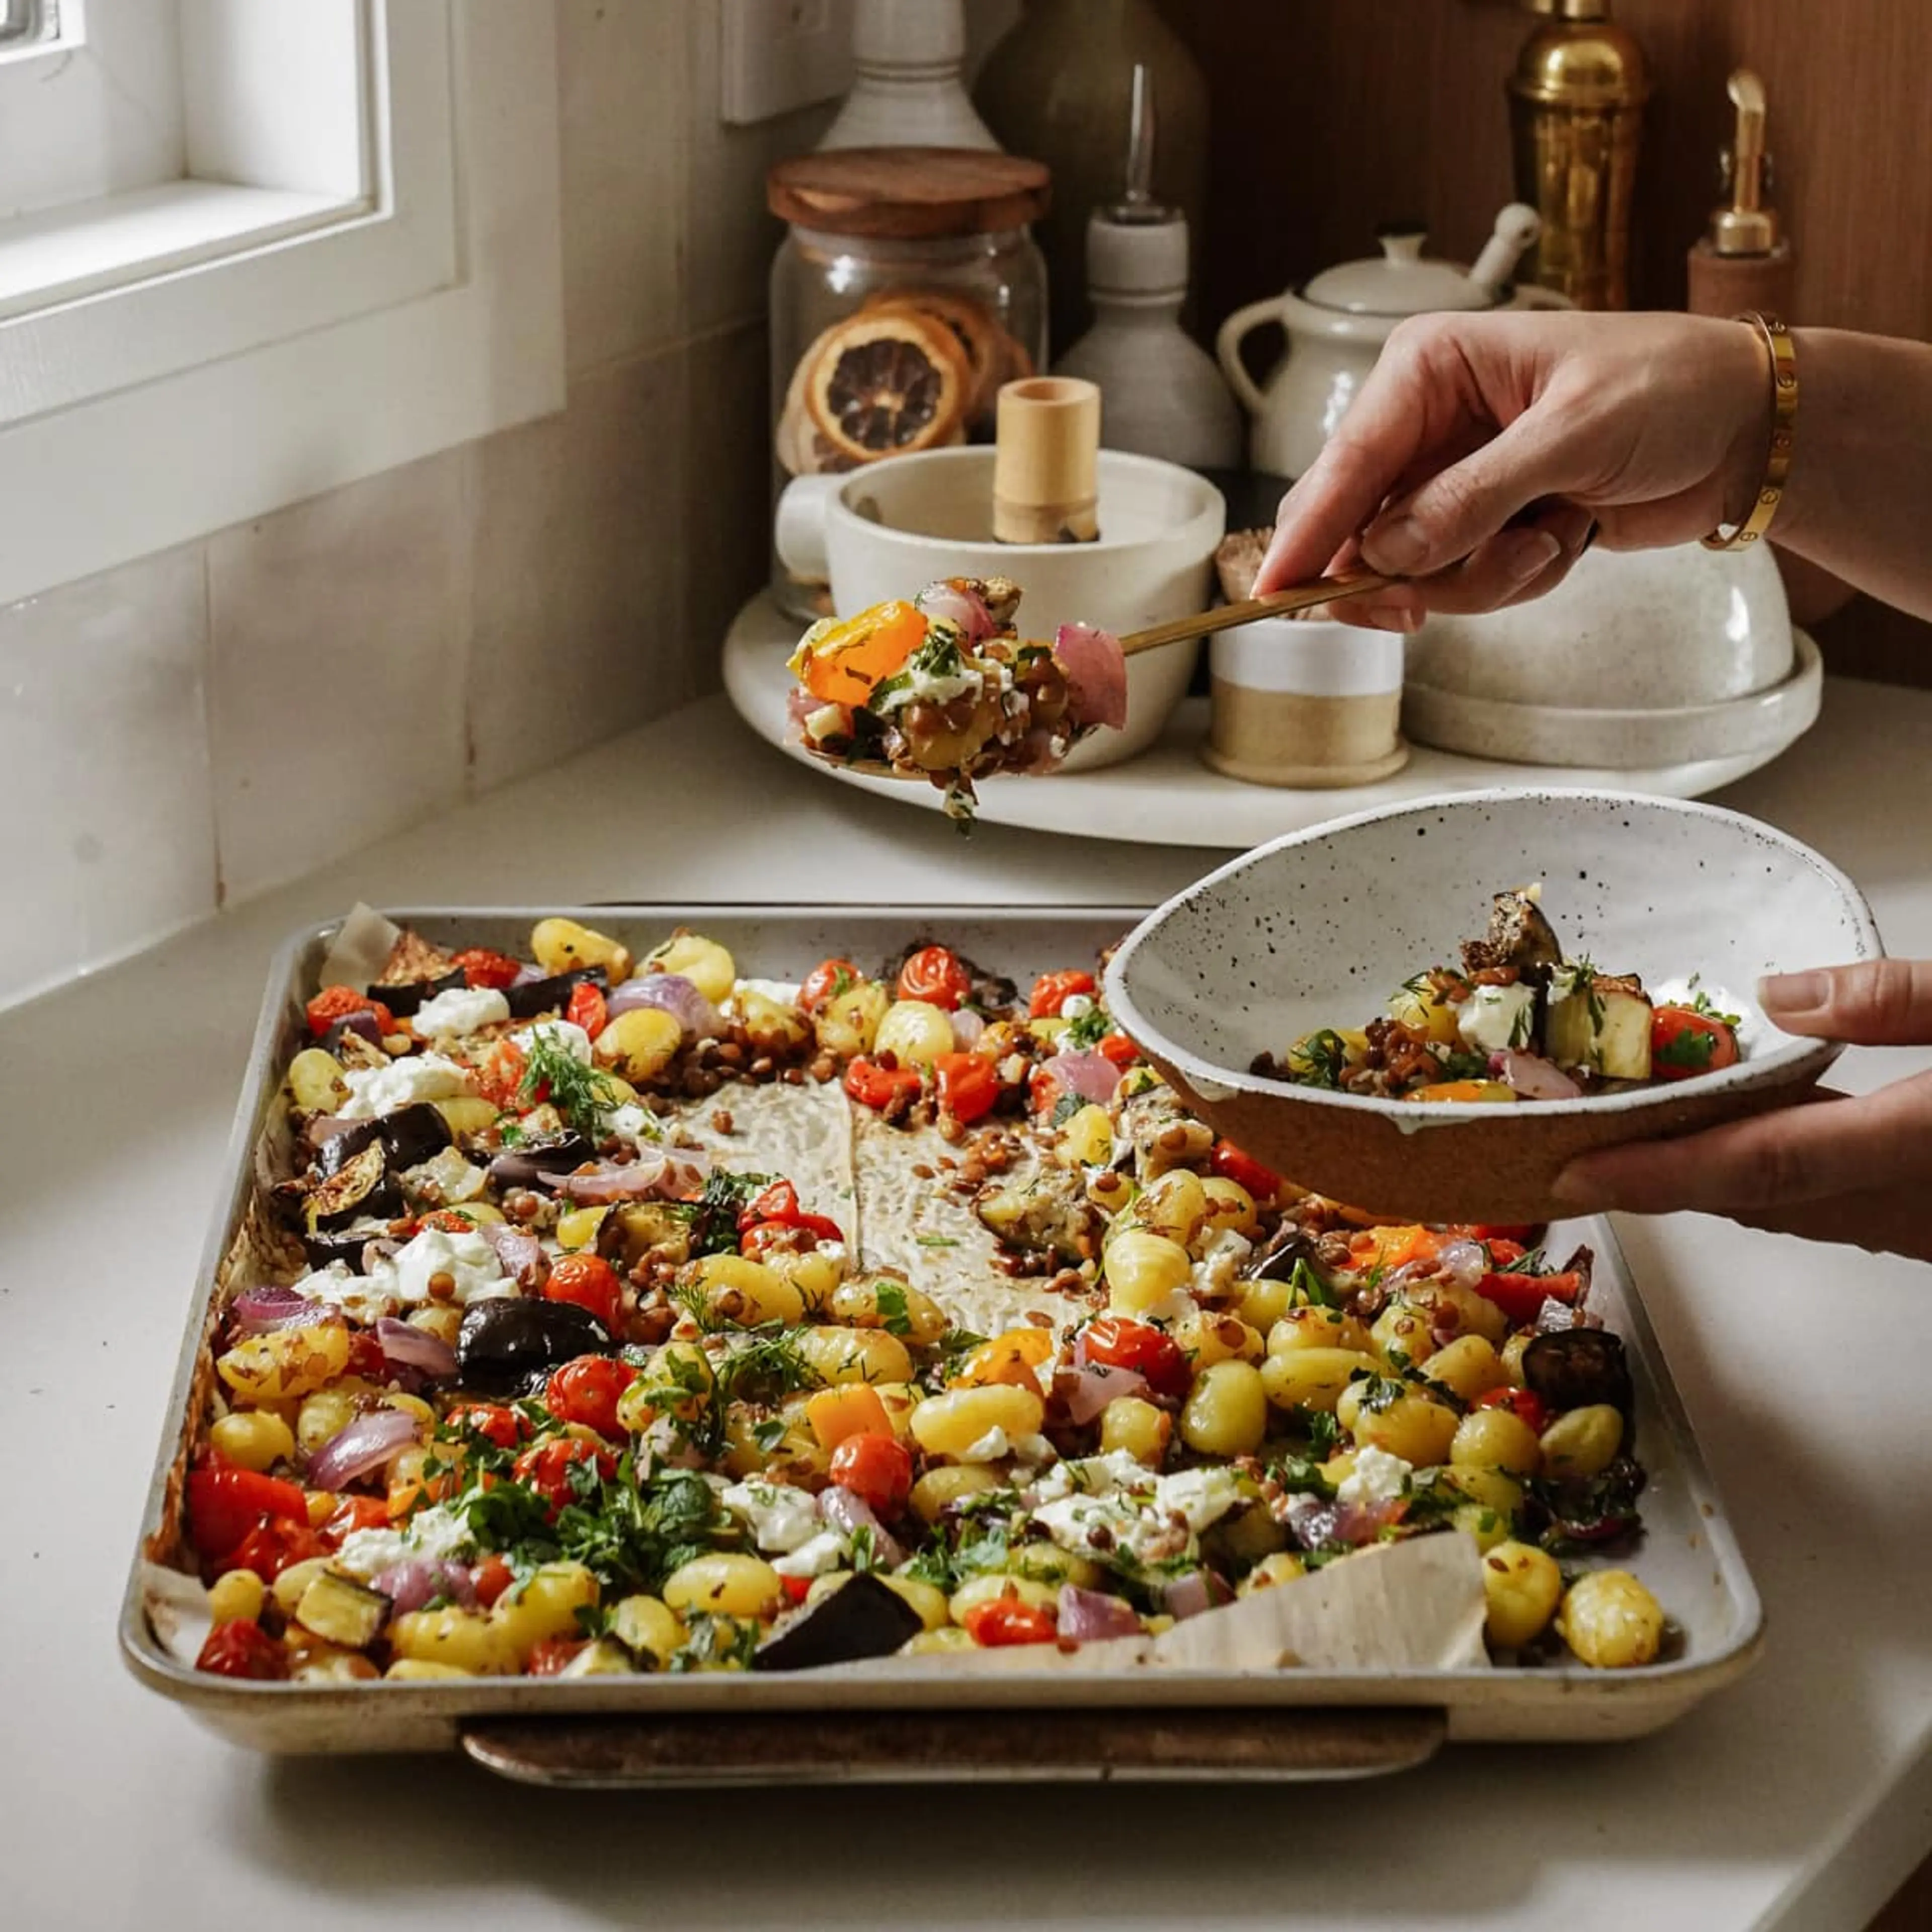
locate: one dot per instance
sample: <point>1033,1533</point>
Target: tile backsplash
<point>204,724</point>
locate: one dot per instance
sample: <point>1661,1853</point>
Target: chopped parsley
<point>1064,1109</point>
<point>716,1642</point>
<point>1085,1032</point>
<point>1689,1050</point>
<point>769,1434</point>
<point>1306,1289</point>
<point>1701,1002</point>
<point>1320,1060</point>
<point>714,1215</point>
<point>892,1301</point>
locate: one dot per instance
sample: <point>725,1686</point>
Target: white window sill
<point>62,255</point>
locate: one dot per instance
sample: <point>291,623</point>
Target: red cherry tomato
<point>335,1002</point>
<point>498,1075</point>
<point>796,1589</point>
<point>872,1085</point>
<point>366,1358</point>
<point>968,1087</point>
<point>490,1579</point>
<point>776,1213</point>
<point>587,1389</point>
<point>492,1420</point>
<point>1684,1044</point>
<point>878,1469</point>
<point>826,981</point>
<point>275,1543</point>
<point>1004,1620</point>
<point>1521,1296</point>
<point>225,1503</point>
<point>1117,1048</point>
<point>242,1649</point>
<point>545,1467</point>
<point>1244,1171</point>
<point>1052,992</point>
<point>588,1282</point>
<point>1524,1402</point>
<point>549,1656</point>
<point>586,1008</point>
<point>350,1514</point>
<point>482,968</point>
<point>1119,1342</point>
<point>935,975</point>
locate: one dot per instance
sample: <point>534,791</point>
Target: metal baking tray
<point>908,1722</point>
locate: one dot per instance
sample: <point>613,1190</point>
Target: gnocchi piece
<point>1207,1339</point>
<point>1310,1327</point>
<point>726,1584</point>
<point>854,1355</point>
<point>848,1022</point>
<point>745,1293</point>
<point>772,1026</point>
<point>677,1381</point>
<point>237,1594</point>
<point>702,961</point>
<point>951,1423</point>
<point>1226,1410</point>
<point>915,1032</point>
<point>1496,1439</point>
<point>639,1043</point>
<point>1313,1378</point>
<point>648,1625</point>
<point>950,1483</point>
<point>1611,1622</point>
<point>894,1305</point>
<point>1230,1207</point>
<point>1403,1330</point>
<point>929,1600</point>
<point>1468,1366</point>
<point>562,946</point>
<point>1141,1428</point>
<point>461,1642</point>
<point>546,1606</point>
<point>1087,1140</point>
<point>1026,1590</point>
<point>285,1361</point>
<point>1521,1585</point>
<point>1416,1427</point>
<point>1583,1441</point>
<point>466,1115</point>
<point>1143,1269</point>
<point>1283,1566</point>
<point>253,1438</point>
<point>938,1642</point>
<point>1174,1205</point>
<point>316,1083</point>
<point>1496,1489</point>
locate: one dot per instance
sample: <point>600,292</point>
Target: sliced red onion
<point>1199,1590</point>
<point>1311,1522</point>
<point>848,1513</point>
<point>255,1311</point>
<point>950,602</point>
<point>1555,1316</point>
<point>1532,1076</point>
<point>670,993</point>
<point>800,705</point>
<point>656,1177</point>
<point>1090,661</point>
<point>363,1022</point>
<point>404,1347</point>
<point>1092,1076</point>
<point>412,1582</point>
<point>1090,1616</point>
<point>326,1126</point>
<point>968,1028</point>
<point>1461,1263</point>
<point>364,1444</point>
<point>519,1252</point>
<point>1087,1388</point>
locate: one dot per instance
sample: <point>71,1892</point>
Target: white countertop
<point>1798,1799</point>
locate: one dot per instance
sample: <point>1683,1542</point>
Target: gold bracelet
<point>1783,414</point>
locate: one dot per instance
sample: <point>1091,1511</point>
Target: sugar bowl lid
<point>1403,281</point>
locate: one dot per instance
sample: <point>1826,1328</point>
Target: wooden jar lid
<point>909,194</point>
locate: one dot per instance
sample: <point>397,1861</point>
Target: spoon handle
<point>1276,604</point>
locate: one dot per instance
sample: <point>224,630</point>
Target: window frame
<point>154,412</point>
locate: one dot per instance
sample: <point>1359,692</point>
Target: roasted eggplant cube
<point>502,1344</point>
<point>1577,1367</point>
<point>535,997</point>
<point>522,1166</point>
<point>410,997</point>
<point>1518,936</point>
<point>414,1134</point>
<point>861,1618</point>
<point>1601,1024</point>
<point>343,1611</point>
<point>361,1186</point>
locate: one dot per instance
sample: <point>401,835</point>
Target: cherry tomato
<point>549,1655</point>
<point>498,1076</point>
<point>1244,1171</point>
<point>1505,1253</point>
<point>968,1087</point>
<point>878,1469</point>
<point>225,1503</point>
<point>490,1579</point>
<point>589,1282</point>
<point>1005,1620</point>
<point>826,981</point>
<point>545,1467</point>
<point>587,1009</point>
<point>335,1002</point>
<point>273,1544</point>
<point>1684,1043</point>
<point>935,975</point>
<point>1052,992</point>
<point>796,1589</point>
<point>1120,1342</point>
<point>350,1514</point>
<point>1117,1048</point>
<point>242,1649</point>
<point>776,1213</point>
<point>366,1358</point>
<point>1520,1297</point>
<point>587,1389</point>
<point>872,1085</point>
<point>492,1420</point>
<point>1524,1402</point>
<point>482,968</point>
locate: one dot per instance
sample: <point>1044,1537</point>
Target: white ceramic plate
<point>1167,797</point>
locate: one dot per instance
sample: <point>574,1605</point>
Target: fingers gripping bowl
<point>1313,930</point>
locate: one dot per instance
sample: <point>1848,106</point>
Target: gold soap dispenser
<point>1575,116</point>
<point>1744,262</point>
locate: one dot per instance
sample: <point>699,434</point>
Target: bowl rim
<point>1211,512</point>
<point>1796,1057</point>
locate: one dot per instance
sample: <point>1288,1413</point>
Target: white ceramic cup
<point>888,529</point>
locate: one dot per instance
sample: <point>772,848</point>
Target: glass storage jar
<point>907,292</point>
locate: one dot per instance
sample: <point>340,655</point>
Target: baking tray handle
<point>617,1753</point>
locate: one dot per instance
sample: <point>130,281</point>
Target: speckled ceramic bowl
<point>1320,927</point>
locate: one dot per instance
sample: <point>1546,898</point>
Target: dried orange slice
<point>887,383</point>
<point>839,663</point>
<point>981,339</point>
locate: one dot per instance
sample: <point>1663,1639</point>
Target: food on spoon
<point>943,688</point>
<point>1519,1021</point>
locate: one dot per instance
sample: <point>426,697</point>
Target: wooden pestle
<point>1046,468</point>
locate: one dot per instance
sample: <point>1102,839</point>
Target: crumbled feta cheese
<point>1071,1521</point>
<point>1076,1006</point>
<point>468,1259</point>
<point>781,1518</point>
<point>923,687</point>
<point>1377,1477</point>
<point>439,1534</point>
<point>1201,1496</point>
<point>1217,1274</point>
<point>636,1124</point>
<point>561,1036</point>
<point>1494,1018</point>
<point>992,1447</point>
<point>462,1009</point>
<point>1094,1475</point>
<point>784,991</point>
<point>814,1557</point>
<point>375,1090</point>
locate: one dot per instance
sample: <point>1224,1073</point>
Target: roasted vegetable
<point>414,1134</point>
<point>361,1185</point>
<point>1518,936</point>
<point>1599,1023</point>
<point>634,1229</point>
<point>1049,1216</point>
<point>407,999</point>
<point>1579,1367</point>
<point>522,1166</point>
<point>342,1610</point>
<point>503,1345</point>
<point>861,1618</point>
<point>537,997</point>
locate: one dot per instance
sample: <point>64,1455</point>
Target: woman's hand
<point>1836,1169</point>
<point>1492,448</point>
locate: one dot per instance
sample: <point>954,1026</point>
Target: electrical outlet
<point>784,54</point>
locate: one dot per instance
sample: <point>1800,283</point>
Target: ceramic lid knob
<point>1137,257</point>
